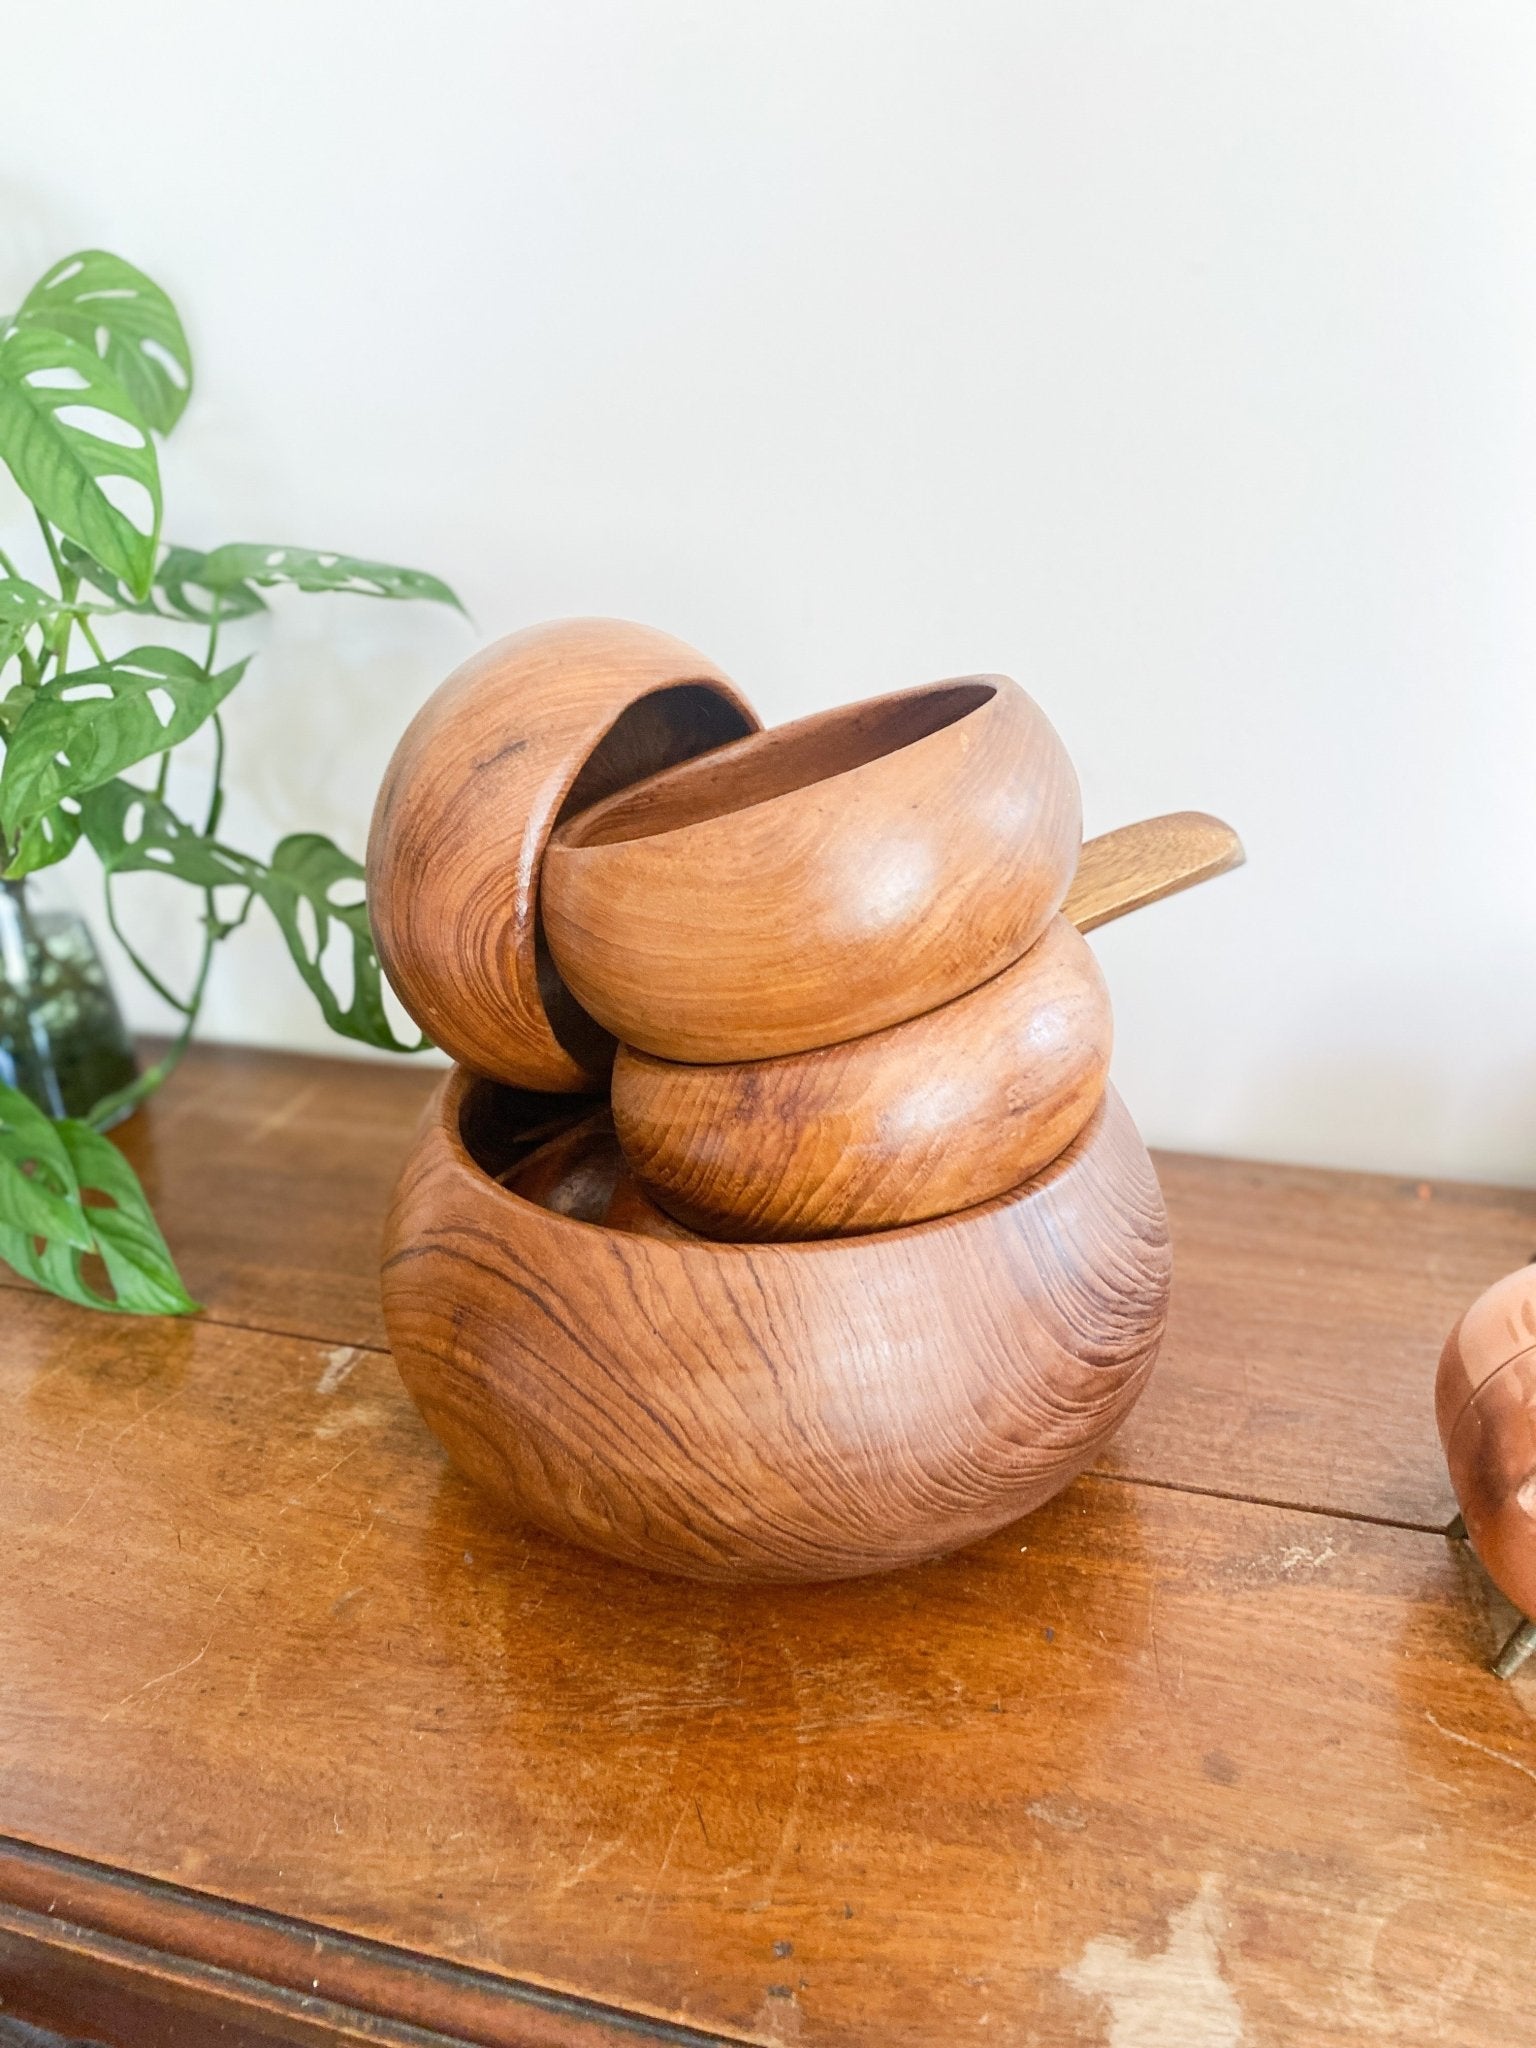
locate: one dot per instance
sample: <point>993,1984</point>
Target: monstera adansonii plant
<point>94,371</point>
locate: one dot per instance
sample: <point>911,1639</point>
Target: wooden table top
<point>295,1734</point>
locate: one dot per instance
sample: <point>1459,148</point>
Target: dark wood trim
<point>116,1994</point>
<point>84,1948</point>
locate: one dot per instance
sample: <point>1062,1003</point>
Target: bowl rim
<point>982,994</point>
<point>446,1111</point>
<point>601,670</point>
<point>980,691</point>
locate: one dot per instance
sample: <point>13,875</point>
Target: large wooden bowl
<point>803,1411</point>
<point>818,881</point>
<point>533,728</point>
<point>930,1116</point>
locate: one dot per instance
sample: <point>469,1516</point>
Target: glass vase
<point>63,1042</point>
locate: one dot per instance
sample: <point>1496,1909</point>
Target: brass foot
<point>1515,1651</point>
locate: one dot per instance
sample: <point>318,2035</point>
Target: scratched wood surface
<point>1308,1307</point>
<point>1163,1763</point>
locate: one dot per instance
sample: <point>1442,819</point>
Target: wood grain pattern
<point>1298,1367</point>
<point>818,881</point>
<point>1485,1403</point>
<point>919,1120</point>
<point>141,1964</point>
<point>1134,865</point>
<point>1308,1313</point>
<point>772,1411</point>
<point>540,724</point>
<point>260,1643</point>
<point>270,1173</point>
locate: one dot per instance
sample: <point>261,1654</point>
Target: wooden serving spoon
<point>1142,863</point>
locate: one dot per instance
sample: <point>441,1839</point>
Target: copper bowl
<point>1485,1403</point>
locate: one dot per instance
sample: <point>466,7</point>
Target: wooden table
<point>299,1744</point>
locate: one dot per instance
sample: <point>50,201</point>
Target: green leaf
<point>183,566</point>
<point>68,1194</point>
<point>231,574</point>
<point>122,316</point>
<point>83,728</point>
<point>133,831</point>
<point>302,887</point>
<point>89,570</point>
<point>128,1241</point>
<point>12,705</point>
<point>38,1189</point>
<point>54,396</point>
<point>44,841</point>
<point>176,570</point>
<point>22,606</point>
<point>310,569</point>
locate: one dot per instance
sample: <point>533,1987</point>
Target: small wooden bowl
<point>533,728</point>
<point>1485,1404</point>
<point>819,881</point>
<point>919,1120</point>
<point>806,1411</point>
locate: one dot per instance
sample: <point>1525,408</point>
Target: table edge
<point>53,1899</point>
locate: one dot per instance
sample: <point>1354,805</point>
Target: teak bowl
<point>805,1411</point>
<point>1485,1404</point>
<point>581,1172</point>
<point>930,1116</point>
<point>818,881</point>
<point>533,728</point>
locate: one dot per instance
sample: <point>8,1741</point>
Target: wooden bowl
<point>806,1411</point>
<point>1485,1403</point>
<point>918,1120</point>
<point>582,1173</point>
<point>535,727</point>
<point>818,881</point>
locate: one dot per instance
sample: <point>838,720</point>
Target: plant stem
<point>68,585</point>
<point>96,646</point>
<point>111,1107</point>
<point>52,547</point>
<point>159,987</point>
<point>216,794</point>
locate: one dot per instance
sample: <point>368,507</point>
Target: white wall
<point>1179,359</point>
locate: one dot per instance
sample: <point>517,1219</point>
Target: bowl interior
<point>500,1126</point>
<point>494,1129</point>
<point>677,723</point>
<point>775,763</point>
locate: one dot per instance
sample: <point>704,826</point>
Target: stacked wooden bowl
<point>778,1220</point>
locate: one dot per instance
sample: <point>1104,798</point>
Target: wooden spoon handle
<point>1122,870</point>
